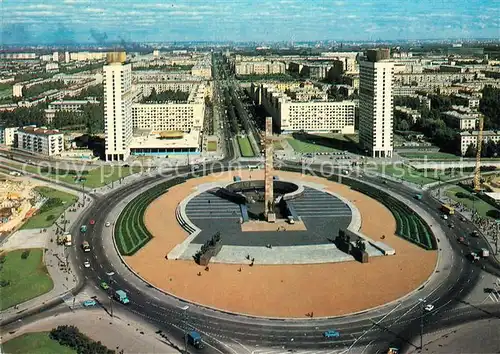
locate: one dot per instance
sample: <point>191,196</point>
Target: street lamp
<point>422,302</point>
<point>110,274</point>
<point>185,308</point>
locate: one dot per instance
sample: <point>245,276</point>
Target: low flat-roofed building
<point>39,140</point>
<point>67,106</point>
<point>467,138</point>
<point>150,142</point>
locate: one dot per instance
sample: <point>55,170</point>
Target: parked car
<point>331,334</point>
<point>104,285</point>
<point>89,303</point>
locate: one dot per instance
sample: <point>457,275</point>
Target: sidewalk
<point>119,333</point>
<point>55,257</point>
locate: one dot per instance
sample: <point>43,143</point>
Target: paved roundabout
<point>320,284</point>
<point>396,323</point>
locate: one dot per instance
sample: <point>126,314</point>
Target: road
<point>397,328</point>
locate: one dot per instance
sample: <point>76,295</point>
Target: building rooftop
<point>39,131</point>
<point>148,139</point>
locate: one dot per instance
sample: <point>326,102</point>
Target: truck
<point>418,196</point>
<point>484,252</point>
<point>448,209</point>
<point>194,339</point>
<point>85,246</point>
<point>83,228</point>
<point>121,296</point>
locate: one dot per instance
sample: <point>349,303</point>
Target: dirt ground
<point>283,290</point>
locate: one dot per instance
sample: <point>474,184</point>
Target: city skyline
<point>91,21</point>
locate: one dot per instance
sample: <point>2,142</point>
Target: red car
<point>92,222</point>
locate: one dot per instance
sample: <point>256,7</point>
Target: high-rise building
<point>117,107</point>
<point>375,103</point>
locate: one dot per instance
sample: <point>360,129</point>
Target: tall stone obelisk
<point>268,174</point>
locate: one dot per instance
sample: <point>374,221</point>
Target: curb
<point>202,306</point>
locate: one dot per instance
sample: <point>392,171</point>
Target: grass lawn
<point>304,147</point>
<point>429,155</point>
<point>49,212</point>
<point>94,178</point>
<point>245,147</point>
<point>212,146</point>
<point>472,202</point>
<point>411,175</point>
<point>35,343</point>
<point>277,145</point>
<point>28,278</point>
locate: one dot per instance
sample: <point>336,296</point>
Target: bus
<point>448,209</point>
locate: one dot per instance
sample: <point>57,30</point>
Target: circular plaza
<point>288,268</point>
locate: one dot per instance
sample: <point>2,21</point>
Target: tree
<point>471,151</point>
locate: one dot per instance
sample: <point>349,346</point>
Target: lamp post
<point>422,301</point>
<point>110,274</point>
<point>184,309</point>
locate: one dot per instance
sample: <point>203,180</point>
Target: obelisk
<point>268,174</point>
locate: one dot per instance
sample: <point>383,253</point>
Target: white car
<point>107,224</point>
<point>445,217</point>
<point>86,264</point>
<point>429,307</point>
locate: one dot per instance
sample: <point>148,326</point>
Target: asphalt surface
<point>398,328</point>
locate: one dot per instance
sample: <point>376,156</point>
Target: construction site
<point>17,200</point>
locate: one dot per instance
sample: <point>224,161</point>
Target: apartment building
<point>171,116</point>
<point>259,68</point>
<point>305,109</point>
<point>407,112</point>
<point>462,117</point>
<point>117,107</point>
<point>471,101</point>
<point>467,138</point>
<point>68,106</point>
<point>375,103</point>
<point>39,140</point>
<point>7,135</point>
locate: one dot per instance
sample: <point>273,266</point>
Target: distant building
<point>55,57</point>
<point>39,140</point>
<point>51,67</point>
<point>259,68</point>
<point>305,109</point>
<point>18,56</point>
<point>7,135</point>
<point>117,107</point>
<point>375,103</point>
<point>463,118</point>
<point>17,90</point>
<point>412,114</point>
<point>467,138</point>
<point>68,106</point>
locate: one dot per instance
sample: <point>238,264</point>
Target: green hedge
<point>130,232</point>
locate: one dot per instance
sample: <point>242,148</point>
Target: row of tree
<point>70,336</point>
<point>166,96</point>
<point>36,90</point>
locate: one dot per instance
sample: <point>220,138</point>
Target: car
<point>107,224</point>
<point>445,217</point>
<point>463,219</point>
<point>429,307</point>
<point>89,303</point>
<point>92,222</point>
<point>474,233</point>
<point>104,285</point>
<point>86,264</point>
<point>331,334</point>
<point>451,226</point>
<point>463,241</point>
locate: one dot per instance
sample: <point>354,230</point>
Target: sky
<point>102,21</point>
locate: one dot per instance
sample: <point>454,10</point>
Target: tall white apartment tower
<point>117,107</point>
<point>376,74</point>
